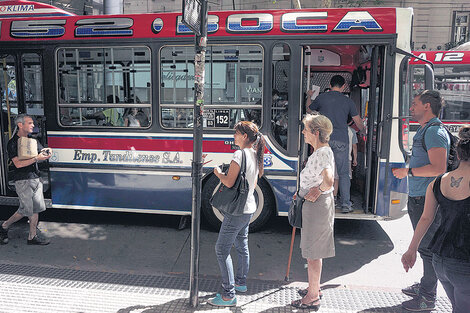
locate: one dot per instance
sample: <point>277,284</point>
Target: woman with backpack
<point>234,229</point>
<point>449,196</point>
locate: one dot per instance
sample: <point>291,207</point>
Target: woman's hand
<point>313,194</point>
<point>408,259</point>
<point>294,196</point>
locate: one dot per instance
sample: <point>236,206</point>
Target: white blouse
<point>319,160</point>
<point>251,172</point>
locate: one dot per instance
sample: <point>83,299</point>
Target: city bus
<point>113,97</point>
<point>451,79</point>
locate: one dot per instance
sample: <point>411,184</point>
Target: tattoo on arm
<point>455,182</point>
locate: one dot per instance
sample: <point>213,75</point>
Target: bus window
<point>232,89</point>
<point>453,82</point>
<point>97,85</point>
<point>8,95</point>
<point>32,84</point>
<point>405,102</point>
<point>280,93</point>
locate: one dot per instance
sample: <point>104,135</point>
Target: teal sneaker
<point>219,301</point>
<point>240,288</point>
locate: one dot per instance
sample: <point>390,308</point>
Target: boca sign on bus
<point>333,21</point>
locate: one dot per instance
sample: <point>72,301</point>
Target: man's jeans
<point>234,231</point>
<point>454,275</point>
<point>428,283</point>
<point>341,153</point>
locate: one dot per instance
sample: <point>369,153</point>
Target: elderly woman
<point>316,186</point>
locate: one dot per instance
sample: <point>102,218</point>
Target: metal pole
<point>199,64</point>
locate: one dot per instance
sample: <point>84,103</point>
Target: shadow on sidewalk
<point>390,309</point>
<point>149,244</point>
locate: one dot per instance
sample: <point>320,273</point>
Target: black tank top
<point>452,238</point>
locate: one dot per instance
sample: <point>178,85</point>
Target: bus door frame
<point>4,190</point>
<point>380,114</point>
<point>21,105</point>
<point>373,114</point>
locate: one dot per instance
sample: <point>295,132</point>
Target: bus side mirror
<point>428,77</point>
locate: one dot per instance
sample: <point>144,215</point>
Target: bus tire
<point>263,212</point>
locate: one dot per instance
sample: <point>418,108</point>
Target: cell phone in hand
<point>46,152</point>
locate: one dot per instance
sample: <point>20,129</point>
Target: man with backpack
<point>430,151</point>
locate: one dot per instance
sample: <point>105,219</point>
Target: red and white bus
<point>451,79</point>
<point>81,76</point>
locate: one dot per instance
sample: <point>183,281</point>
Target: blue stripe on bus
<point>119,190</point>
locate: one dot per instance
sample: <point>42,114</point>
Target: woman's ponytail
<point>259,146</point>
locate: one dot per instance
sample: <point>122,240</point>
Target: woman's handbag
<point>232,200</point>
<point>295,212</point>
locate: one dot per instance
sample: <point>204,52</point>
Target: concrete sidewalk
<point>41,289</point>
<point>133,266</point>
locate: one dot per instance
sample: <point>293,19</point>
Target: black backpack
<point>452,160</point>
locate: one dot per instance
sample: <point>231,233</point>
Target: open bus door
<point>21,91</point>
<point>369,103</point>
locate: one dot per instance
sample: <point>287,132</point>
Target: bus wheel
<point>264,202</point>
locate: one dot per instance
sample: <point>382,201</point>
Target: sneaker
<point>241,288</point>
<point>419,304</point>
<point>412,291</point>
<point>38,241</point>
<point>346,209</point>
<point>219,301</point>
<point>3,235</point>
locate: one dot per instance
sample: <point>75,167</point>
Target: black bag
<point>295,212</point>
<point>232,200</point>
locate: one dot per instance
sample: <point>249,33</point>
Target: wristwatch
<point>410,172</point>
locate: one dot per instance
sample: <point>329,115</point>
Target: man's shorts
<point>31,197</point>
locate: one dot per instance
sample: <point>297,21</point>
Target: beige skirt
<point>317,241</point>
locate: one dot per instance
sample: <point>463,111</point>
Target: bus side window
<point>280,93</point>
<point>97,85</point>
<point>8,96</point>
<point>232,88</point>
<point>33,84</point>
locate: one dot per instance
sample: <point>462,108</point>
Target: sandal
<point>303,293</point>
<point>314,305</point>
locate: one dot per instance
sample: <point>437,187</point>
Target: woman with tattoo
<point>450,193</point>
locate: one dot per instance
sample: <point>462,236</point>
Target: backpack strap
<point>423,141</point>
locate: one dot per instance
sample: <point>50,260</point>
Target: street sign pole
<point>195,17</point>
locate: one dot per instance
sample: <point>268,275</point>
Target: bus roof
<point>23,8</point>
<point>338,21</point>
<point>442,57</point>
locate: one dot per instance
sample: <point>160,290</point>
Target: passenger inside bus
<point>135,117</point>
<point>354,64</point>
<point>279,117</point>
